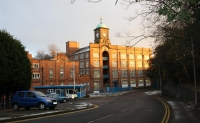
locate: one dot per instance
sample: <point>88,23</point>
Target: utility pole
<point>195,83</point>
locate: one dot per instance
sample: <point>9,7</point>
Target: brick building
<point>101,65</point>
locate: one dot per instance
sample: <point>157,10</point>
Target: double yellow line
<point>167,111</point>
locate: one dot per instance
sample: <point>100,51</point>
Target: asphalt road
<point>132,107</point>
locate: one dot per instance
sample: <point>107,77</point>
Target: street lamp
<point>74,79</point>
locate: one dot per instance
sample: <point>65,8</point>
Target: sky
<point>39,23</point>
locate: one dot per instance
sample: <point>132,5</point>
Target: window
<point>20,94</point>
<point>50,73</point>
<point>124,84</point>
<point>132,73</point>
<point>114,55</point>
<point>131,56</point>
<point>123,63</point>
<point>35,75</point>
<point>140,82</point>
<point>123,56</point>
<point>146,65</point>
<point>139,56</point>
<point>87,55</point>
<point>76,57</point>
<point>50,90</point>
<point>115,73</point>
<point>96,55</point>
<point>132,64</point>
<point>87,63</point>
<point>71,73</point>
<point>96,85</point>
<point>29,95</point>
<point>139,64</point>
<point>124,73</point>
<point>114,63</point>
<point>133,83</point>
<point>61,72</point>
<point>82,56</point>
<point>140,73</point>
<point>96,63</point>
<point>146,57</point>
<point>87,72</point>
<point>148,82</point>
<point>35,65</point>
<point>96,73</point>
<point>82,64</point>
<point>81,71</point>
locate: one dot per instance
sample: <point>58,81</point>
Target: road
<point>132,107</point>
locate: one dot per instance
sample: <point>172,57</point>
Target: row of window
<point>114,55</point>
<point>81,56</point>
<point>115,73</point>
<point>125,83</point>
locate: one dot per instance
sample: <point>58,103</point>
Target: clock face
<point>97,34</point>
<point>104,34</point>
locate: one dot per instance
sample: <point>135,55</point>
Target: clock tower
<point>101,34</point>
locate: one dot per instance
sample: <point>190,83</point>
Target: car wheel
<point>42,106</point>
<point>64,100</point>
<point>27,108</point>
<point>16,107</point>
<point>51,108</point>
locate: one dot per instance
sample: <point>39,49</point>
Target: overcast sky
<point>39,23</point>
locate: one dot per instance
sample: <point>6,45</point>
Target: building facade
<point>101,65</point>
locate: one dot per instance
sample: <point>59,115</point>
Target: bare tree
<point>40,54</point>
<point>53,49</point>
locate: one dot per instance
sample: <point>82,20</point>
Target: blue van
<point>29,99</point>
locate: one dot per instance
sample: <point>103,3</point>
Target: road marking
<point>95,106</point>
<point>167,111</point>
<point>101,118</point>
<point>125,109</point>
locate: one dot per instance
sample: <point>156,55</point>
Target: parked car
<point>29,99</point>
<point>58,97</point>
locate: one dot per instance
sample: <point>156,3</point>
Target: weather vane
<point>100,19</point>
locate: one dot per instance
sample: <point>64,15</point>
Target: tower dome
<point>101,25</point>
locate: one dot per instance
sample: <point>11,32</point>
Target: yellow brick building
<point>101,65</point>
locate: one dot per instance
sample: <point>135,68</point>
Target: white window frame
<point>36,65</point>
<point>36,75</point>
<point>50,73</point>
<point>61,72</point>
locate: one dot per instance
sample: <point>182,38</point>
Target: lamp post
<point>73,78</point>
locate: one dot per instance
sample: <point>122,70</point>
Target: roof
<point>82,50</point>
<point>101,25</point>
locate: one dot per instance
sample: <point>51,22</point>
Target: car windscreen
<point>40,94</point>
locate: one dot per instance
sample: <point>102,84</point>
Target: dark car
<point>58,97</point>
<point>29,99</point>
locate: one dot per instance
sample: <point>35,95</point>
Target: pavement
<point>180,112</point>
